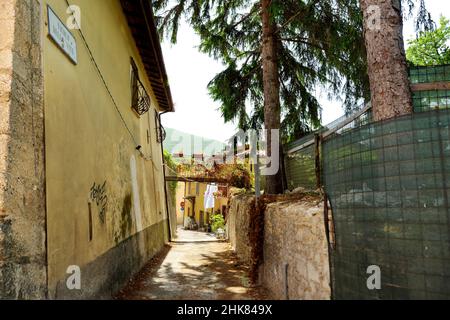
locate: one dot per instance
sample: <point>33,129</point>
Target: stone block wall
<point>23,273</point>
<point>238,224</point>
<point>296,263</point>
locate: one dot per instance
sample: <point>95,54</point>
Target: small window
<point>140,100</point>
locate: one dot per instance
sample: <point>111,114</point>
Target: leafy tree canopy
<point>431,47</point>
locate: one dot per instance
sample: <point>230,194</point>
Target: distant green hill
<point>178,141</point>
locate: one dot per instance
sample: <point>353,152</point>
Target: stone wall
<point>238,223</point>
<point>23,273</point>
<point>296,264</point>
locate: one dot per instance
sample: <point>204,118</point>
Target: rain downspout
<point>165,182</point>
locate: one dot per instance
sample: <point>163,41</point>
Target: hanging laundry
<point>209,196</point>
<point>205,198</point>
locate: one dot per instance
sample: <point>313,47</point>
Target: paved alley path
<point>187,236</point>
<point>193,271</point>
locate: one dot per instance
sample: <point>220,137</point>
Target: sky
<point>190,72</point>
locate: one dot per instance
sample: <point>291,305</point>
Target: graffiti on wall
<point>100,198</point>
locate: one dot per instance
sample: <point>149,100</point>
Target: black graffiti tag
<point>99,196</point>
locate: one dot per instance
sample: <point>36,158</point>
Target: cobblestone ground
<point>193,271</point>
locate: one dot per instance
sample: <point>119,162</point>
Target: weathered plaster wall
<point>103,277</point>
<point>238,225</point>
<point>296,264</point>
<point>92,177</point>
<point>22,175</point>
<point>101,194</point>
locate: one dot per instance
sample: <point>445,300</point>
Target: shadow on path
<point>193,271</point>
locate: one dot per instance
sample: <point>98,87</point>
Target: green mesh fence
<point>388,185</point>
<point>429,74</point>
<point>300,159</point>
<point>301,168</point>
<point>431,100</point>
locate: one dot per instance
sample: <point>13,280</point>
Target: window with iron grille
<point>160,131</point>
<point>140,100</point>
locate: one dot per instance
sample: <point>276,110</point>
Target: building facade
<point>194,204</point>
<point>82,90</point>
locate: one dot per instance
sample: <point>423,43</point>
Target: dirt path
<point>193,271</point>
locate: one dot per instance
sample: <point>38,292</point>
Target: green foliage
<point>173,166</point>
<point>217,222</point>
<point>320,44</point>
<point>236,175</point>
<point>431,47</point>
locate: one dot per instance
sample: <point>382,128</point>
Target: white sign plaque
<point>62,35</point>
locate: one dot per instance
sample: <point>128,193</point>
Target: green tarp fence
<point>389,186</point>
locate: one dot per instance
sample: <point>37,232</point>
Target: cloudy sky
<point>190,72</point>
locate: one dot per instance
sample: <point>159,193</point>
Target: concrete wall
<point>91,156</point>
<point>238,225</point>
<point>22,173</point>
<point>296,264</point>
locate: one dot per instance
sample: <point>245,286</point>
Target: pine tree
<point>387,66</point>
<point>277,53</point>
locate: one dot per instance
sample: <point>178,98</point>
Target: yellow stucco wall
<point>179,200</point>
<point>87,144</point>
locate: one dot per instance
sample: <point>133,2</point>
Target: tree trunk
<point>387,68</point>
<point>272,110</point>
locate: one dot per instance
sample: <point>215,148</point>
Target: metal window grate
<point>161,133</point>
<point>141,99</point>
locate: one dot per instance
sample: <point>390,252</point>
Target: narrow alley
<point>193,268</point>
<point>224,150</point>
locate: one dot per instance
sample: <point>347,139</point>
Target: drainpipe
<point>165,182</point>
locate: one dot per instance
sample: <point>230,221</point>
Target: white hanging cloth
<point>205,198</point>
<point>209,196</point>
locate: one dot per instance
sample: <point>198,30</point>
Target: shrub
<point>217,222</point>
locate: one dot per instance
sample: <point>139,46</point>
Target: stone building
<point>82,203</point>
